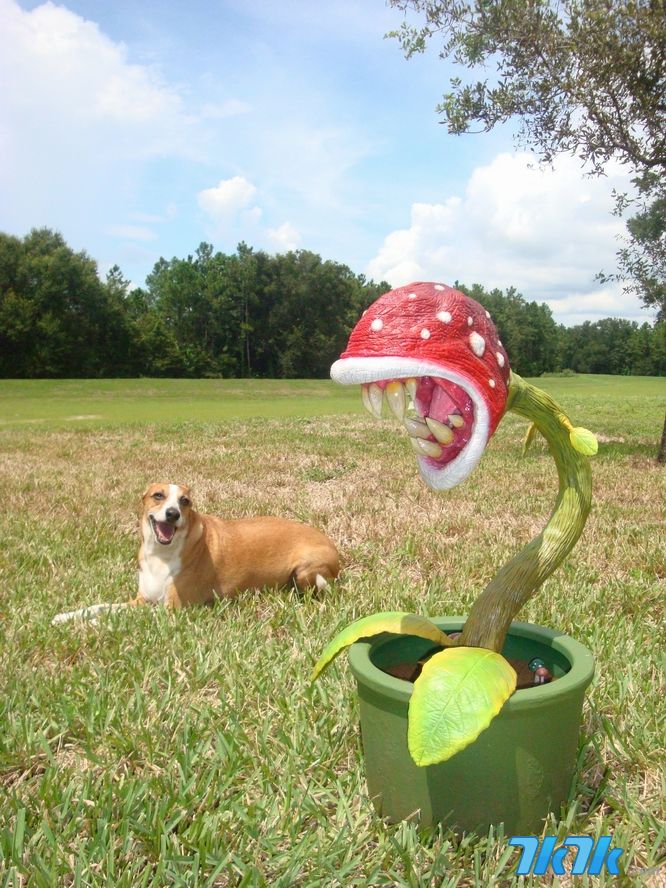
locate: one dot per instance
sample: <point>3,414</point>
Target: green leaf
<point>457,695</point>
<point>583,441</point>
<point>529,437</point>
<point>392,621</point>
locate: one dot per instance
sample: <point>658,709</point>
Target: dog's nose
<point>172,514</point>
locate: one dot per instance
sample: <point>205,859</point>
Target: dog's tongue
<point>164,531</point>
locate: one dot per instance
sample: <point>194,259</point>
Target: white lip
<point>355,371</point>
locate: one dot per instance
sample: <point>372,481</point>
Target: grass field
<point>189,749</point>
<point>113,401</point>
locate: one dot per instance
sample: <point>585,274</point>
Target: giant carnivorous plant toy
<point>435,346</point>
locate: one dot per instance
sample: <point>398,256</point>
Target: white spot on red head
<point>411,295</point>
<point>377,325</point>
<point>470,321</point>
<point>491,383</point>
<point>444,317</point>
<point>500,359</point>
<point>425,333</point>
<point>488,314</point>
<point>477,343</point>
<point>439,287</point>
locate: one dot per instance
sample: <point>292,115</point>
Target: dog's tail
<point>89,614</point>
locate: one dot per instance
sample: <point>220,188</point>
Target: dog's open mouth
<point>163,530</point>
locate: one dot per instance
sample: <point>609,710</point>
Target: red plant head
<point>442,348</point>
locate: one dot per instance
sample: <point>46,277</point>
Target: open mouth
<point>164,531</point>
<point>442,411</point>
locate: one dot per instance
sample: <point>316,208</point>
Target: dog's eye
<point>184,501</point>
<point>158,495</point>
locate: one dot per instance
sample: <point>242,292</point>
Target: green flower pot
<point>517,771</point>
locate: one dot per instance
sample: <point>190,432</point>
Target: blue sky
<point>141,129</point>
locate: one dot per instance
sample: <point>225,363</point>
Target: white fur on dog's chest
<point>155,575</point>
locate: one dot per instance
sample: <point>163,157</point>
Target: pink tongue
<point>438,399</point>
<point>165,531</point>
<point>442,404</point>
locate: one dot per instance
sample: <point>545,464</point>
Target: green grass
<point>189,749</point>
<point>127,401</point>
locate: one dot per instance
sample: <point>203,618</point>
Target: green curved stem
<point>493,611</point>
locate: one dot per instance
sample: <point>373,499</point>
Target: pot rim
<point>578,677</point>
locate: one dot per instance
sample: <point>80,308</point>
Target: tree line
<point>249,314</point>
<point>536,344</point>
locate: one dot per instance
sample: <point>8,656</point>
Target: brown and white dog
<point>190,558</point>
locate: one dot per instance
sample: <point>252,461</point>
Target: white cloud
<point>546,232</point>
<point>252,216</point>
<point>312,161</point>
<point>79,123</point>
<point>227,198</point>
<point>231,207</point>
<point>222,110</point>
<point>64,78</point>
<point>285,236</point>
<point>603,303</point>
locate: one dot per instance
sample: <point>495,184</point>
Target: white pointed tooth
<point>397,401</point>
<point>442,432</point>
<point>365,397</point>
<point>376,396</point>
<point>456,420</point>
<point>411,385</point>
<point>371,400</point>
<point>426,448</point>
<point>416,428</point>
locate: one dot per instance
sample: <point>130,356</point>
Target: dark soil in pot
<point>410,670</point>
<point>530,673</point>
